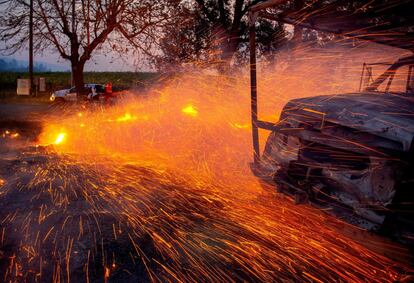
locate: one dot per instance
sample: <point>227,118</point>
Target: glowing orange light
<point>190,110</point>
<point>60,138</point>
<point>7,133</point>
<point>126,117</point>
<point>80,114</point>
<point>2,182</point>
<point>240,126</point>
<point>107,272</point>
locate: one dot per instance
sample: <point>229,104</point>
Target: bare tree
<point>220,27</point>
<point>77,28</point>
<point>228,29</point>
<point>215,31</point>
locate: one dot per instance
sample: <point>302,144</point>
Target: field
<point>58,80</point>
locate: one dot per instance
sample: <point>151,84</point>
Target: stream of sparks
<point>158,188</point>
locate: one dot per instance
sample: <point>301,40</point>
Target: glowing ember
<point>8,134</point>
<point>190,110</point>
<point>60,138</point>
<point>240,126</point>
<point>126,117</point>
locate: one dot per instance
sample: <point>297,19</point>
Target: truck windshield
<point>396,78</point>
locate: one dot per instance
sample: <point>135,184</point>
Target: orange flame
<point>126,117</point>
<point>60,138</point>
<point>190,110</point>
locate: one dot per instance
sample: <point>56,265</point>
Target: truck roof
<point>387,115</point>
<point>385,22</point>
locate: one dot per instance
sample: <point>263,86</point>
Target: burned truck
<point>353,152</point>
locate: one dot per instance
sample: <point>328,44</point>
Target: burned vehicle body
<point>356,149</point>
<point>352,152</point>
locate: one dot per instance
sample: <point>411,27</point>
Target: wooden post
<point>72,78</point>
<point>253,86</point>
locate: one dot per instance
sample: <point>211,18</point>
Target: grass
<point>60,80</point>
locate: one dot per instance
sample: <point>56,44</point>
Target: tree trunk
<point>77,77</point>
<point>298,31</point>
<point>232,40</point>
<point>228,46</point>
<point>297,37</point>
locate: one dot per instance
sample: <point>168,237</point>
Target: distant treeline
<point>57,80</point>
<point>13,65</point>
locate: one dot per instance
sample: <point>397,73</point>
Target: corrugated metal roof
<point>386,22</point>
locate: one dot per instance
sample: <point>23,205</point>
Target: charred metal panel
<point>384,115</point>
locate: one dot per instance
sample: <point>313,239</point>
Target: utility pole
<point>87,25</point>
<point>74,32</point>
<point>31,47</point>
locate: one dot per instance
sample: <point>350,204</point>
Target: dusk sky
<point>99,62</point>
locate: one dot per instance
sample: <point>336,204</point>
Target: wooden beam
<point>253,86</point>
<point>266,4</point>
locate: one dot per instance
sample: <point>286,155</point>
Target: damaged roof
<point>382,114</point>
<point>387,22</point>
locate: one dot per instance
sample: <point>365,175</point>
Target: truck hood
<point>61,93</point>
<point>387,115</point>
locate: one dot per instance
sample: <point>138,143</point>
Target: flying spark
<point>126,117</point>
<point>60,138</point>
<point>190,110</point>
<point>172,199</point>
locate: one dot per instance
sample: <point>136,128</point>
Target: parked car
<point>94,91</point>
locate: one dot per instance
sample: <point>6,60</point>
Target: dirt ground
<point>23,199</point>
